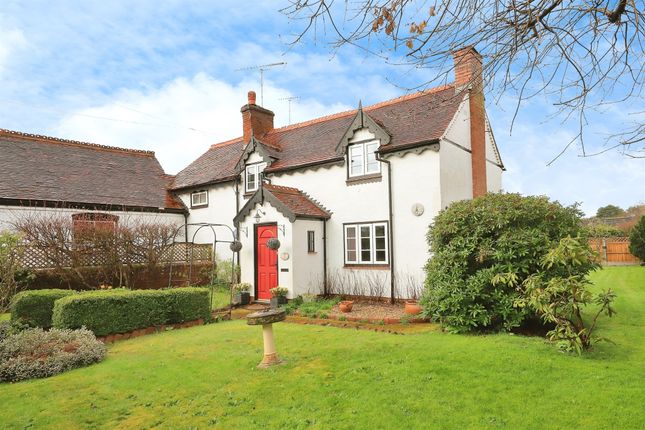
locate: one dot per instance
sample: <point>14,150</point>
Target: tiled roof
<point>411,119</point>
<point>297,202</point>
<point>42,168</point>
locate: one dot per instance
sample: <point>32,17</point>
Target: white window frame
<point>200,194</point>
<point>363,151</point>
<point>256,169</point>
<point>372,247</point>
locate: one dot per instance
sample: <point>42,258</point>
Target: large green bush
<point>473,241</point>
<point>637,239</point>
<point>121,311</point>
<point>34,308</point>
<point>35,353</point>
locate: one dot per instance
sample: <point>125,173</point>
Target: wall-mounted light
<point>258,215</point>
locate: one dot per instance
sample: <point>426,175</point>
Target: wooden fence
<point>613,250</point>
<point>39,258</point>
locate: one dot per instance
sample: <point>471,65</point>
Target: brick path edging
<point>111,338</point>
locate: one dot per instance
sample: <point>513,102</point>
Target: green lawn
<point>205,377</point>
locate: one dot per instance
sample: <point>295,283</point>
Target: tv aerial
<point>289,100</point>
<point>262,68</point>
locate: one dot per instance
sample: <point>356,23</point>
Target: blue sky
<point>163,76</point>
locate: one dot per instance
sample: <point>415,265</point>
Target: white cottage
<point>349,196</point>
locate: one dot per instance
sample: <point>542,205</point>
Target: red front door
<point>267,261</point>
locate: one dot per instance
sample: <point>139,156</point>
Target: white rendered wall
<point>11,214</point>
<point>307,267</point>
<point>415,179</point>
<point>493,169</point>
<point>456,164</point>
<point>221,210</point>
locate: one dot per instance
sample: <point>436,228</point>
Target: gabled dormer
<point>256,157</point>
<point>360,144</point>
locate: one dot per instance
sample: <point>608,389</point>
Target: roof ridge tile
<point>71,142</point>
<point>378,105</point>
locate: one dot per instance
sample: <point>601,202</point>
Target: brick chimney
<point>468,77</point>
<point>256,120</point>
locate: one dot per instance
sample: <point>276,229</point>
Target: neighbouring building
<point>93,183</point>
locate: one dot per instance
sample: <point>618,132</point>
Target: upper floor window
<point>253,176</point>
<point>366,243</point>
<point>362,159</point>
<point>198,199</point>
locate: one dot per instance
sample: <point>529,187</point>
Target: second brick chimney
<point>256,120</point>
<point>468,77</point>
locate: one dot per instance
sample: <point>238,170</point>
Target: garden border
<point>111,338</point>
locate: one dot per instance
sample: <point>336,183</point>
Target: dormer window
<point>362,159</point>
<point>253,176</point>
<point>199,199</point>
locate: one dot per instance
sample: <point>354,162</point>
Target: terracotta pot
<point>346,306</point>
<point>412,307</point>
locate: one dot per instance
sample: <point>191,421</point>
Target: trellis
<point>37,257</point>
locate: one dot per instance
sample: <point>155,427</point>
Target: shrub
<point>559,300</point>
<point>637,239</point>
<point>473,241</point>
<point>13,277</point>
<point>34,308</point>
<point>35,353</point>
<point>121,311</point>
<point>604,230</point>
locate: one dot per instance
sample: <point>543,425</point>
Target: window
<point>91,226</point>
<point>199,198</point>
<point>311,241</point>
<point>362,159</point>
<point>366,243</point>
<point>253,176</point>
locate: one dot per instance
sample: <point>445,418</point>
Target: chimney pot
<point>252,97</point>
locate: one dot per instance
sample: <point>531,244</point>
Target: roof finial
<point>360,104</point>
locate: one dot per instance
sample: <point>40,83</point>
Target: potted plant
<point>345,306</point>
<point>278,296</point>
<point>242,293</point>
<point>412,307</point>
<point>273,243</point>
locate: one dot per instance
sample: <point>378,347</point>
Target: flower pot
<point>346,306</point>
<point>245,298</point>
<point>412,307</point>
<point>277,301</point>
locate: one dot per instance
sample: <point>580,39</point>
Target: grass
<point>205,377</point>
<point>221,296</point>
<point>5,317</point>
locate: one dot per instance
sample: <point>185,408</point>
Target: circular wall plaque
<point>284,256</point>
<point>418,209</point>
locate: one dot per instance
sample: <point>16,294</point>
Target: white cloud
<point>10,41</point>
<point>181,119</point>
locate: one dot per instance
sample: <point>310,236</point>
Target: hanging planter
<point>273,243</point>
<point>236,246</point>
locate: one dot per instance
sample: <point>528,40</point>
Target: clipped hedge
<point>122,311</point>
<point>34,308</point>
